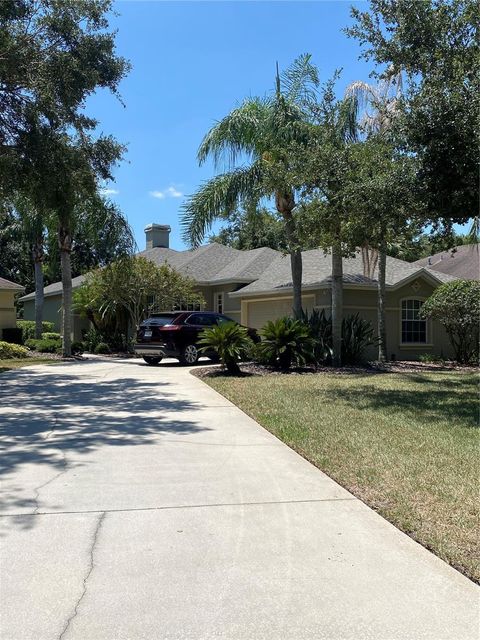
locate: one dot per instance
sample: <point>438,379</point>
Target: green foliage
<point>12,335</point>
<point>357,335</point>
<point>434,44</point>
<point>252,228</point>
<point>8,351</point>
<point>286,341</point>
<point>102,347</point>
<point>428,358</point>
<point>77,348</point>
<point>28,328</point>
<point>133,286</point>
<point>51,335</point>
<point>456,305</point>
<point>50,345</point>
<point>229,341</point>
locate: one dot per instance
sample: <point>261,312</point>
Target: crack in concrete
<point>87,576</point>
<point>37,490</point>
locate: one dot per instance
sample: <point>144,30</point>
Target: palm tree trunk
<point>382,327</point>
<point>337,302</point>
<point>65,244</point>
<point>37,252</point>
<point>285,204</point>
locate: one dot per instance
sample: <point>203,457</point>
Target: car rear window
<point>159,321</point>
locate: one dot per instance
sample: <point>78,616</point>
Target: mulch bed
<point>401,366</point>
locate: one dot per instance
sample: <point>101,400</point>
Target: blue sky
<point>192,63</point>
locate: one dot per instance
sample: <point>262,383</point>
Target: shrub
<point>91,338</point>
<point>102,347</point>
<point>9,350</point>
<point>51,335</point>
<point>286,341</point>
<point>77,348</point>
<point>430,357</point>
<point>456,305</point>
<point>28,328</point>
<point>229,341</point>
<point>357,335</point>
<point>13,335</point>
<point>320,327</point>
<point>45,345</point>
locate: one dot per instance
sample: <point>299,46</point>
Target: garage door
<point>260,312</point>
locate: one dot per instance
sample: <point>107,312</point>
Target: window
<point>219,301</point>
<point>224,320</point>
<point>202,320</point>
<point>414,329</point>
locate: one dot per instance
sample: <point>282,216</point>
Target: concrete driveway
<point>140,504</point>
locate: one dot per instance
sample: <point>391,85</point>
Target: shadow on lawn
<point>46,417</point>
<point>453,400</point>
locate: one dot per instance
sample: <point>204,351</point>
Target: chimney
<point>157,235</point>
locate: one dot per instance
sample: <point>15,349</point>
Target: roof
<point>11,286</point>
<point>317,272</point>
<point>210,264</point>
<point>461,262</point>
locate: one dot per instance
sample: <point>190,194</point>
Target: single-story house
<point>8,312</point>
<point>255,286</point>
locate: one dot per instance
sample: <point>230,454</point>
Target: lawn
<point>15,363</point>
<point>406,444</point>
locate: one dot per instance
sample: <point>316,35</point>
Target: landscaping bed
<point>407,445</point>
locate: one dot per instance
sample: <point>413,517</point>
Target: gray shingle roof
<point>8,284</point>
<point>461,262</point>
<point>317,267</point>
<point>212,263</point>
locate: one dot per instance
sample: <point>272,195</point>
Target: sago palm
<point>258,132</point>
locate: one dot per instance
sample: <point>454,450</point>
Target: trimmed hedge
<point>45,346</point>
<point>102,347</point>
<point>9,351</point>
<point>28,328</point>
<point>51,335</point>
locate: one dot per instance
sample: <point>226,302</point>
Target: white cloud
<point>169,192</point>
<point>109,192</point>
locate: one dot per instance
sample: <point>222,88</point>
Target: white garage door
<point>260,312</point>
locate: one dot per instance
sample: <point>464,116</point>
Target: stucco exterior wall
<point>52,312</point>
<point>8,313</point>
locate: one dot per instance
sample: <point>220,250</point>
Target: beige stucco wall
<point>255,312</point>
<point>7,310</point>
<point>52,312</point>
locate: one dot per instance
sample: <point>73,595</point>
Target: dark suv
<point>174,334</point>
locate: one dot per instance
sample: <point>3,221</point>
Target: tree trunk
<point>65,244</point>
<point>285,203</point>
<point>337,302</point>
<point>382,326</point>
<point>37,253</point>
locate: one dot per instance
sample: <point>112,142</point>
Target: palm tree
<point>379,106</point>
<point>260,131</point>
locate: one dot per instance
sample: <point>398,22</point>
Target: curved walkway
<point>137,503</point>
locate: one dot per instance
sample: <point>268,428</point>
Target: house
<point>461,262</point>
<point>8,312</point>
<point>255,286</point>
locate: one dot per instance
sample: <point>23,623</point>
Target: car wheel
<point>151,360</point>
<point>189,354</point>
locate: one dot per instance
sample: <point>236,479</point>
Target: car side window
<point>224,319</point>
<point>202,320</point>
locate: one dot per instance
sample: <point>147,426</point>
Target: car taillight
<point>169,327</point>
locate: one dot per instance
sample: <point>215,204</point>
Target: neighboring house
<point>255,286</point>
<point>461,262</point>
<point>8,312</point>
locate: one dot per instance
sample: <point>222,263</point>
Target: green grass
<point>15,363</point>
<point>406,444</point>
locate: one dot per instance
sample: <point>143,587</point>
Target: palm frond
<point>217,198</point>
<point>300,80</point>
<point>238,133</point>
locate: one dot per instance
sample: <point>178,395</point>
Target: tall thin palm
<point>259,132</point>
<point>377,107</point>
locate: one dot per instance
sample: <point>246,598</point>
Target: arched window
<point>414,329</point>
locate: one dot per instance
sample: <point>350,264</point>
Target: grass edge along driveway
<point>405,444</point>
